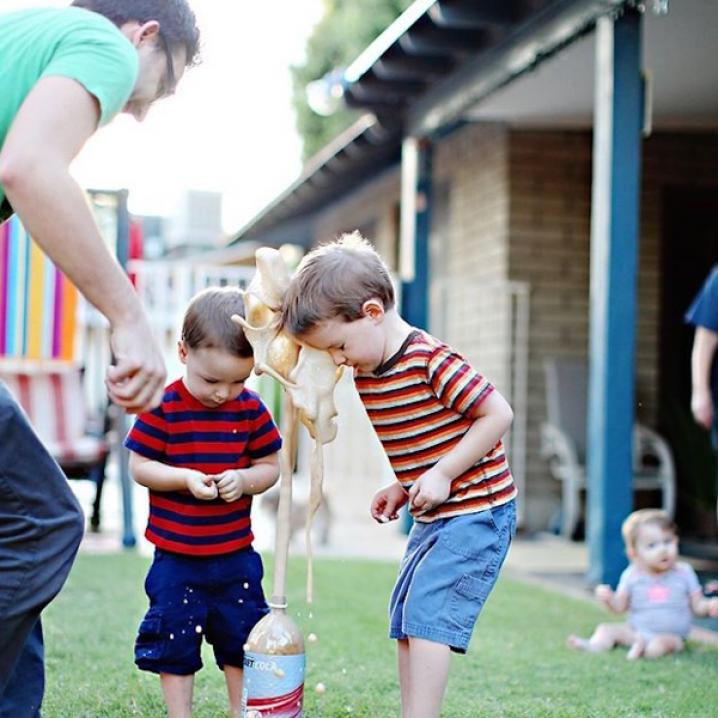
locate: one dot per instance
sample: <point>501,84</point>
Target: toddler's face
<point>656,549</point>
<point>358,344</point>
<point>214,376</point>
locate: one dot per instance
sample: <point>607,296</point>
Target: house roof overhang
<point>421,75</point>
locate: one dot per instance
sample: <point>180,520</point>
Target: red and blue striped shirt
<point>421,402</point>
<point>184,433</point>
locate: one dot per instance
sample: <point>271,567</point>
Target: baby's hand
<point>713,607</point>
<point>201,486</point>
<point>386,503</point>
<point>230,484</point>
<point>604,593</point>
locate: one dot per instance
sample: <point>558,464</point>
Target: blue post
<point>614,261</point>
<point>415,294</point>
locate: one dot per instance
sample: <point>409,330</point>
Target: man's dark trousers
<point>41,525</point>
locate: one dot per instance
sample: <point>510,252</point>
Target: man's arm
<point>52,125</point>
<point>704,348</point>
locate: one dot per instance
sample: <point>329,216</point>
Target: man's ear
<point>182,351</point>
<point>138,34</point>
<point>373,309</point>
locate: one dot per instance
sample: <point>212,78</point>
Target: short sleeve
<point>148,435</point>
<point>704,310</point>
<point>456,384</point>
<point>625,583</point>
<point>264,438</point>
<point>692,583</point>
<point>102,60</point>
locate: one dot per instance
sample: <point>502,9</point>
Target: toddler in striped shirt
<point>441,423</point>
<point>203,453</point>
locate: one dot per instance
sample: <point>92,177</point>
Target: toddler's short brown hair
<point>208,324</point>
<point>333,281</point>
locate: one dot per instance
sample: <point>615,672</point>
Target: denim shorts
<point>448,570</point>
<point>218,598</point>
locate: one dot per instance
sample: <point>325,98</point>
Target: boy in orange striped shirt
<point>441,424</point>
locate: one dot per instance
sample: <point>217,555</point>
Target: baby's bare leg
<point>662,645</point>
<point>604,638</point>
<point>234,677</point>
<point>177,691</point>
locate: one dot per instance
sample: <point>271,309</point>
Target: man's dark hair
<point>178,24</point>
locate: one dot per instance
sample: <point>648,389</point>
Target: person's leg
<point>41,525</point>
<point>604,638</point>
<point>402,647</point>
<point>234,677</point>
<point>662,645</point>
<point>428,674</point>
<point>177,691</point>
<point>22,698</point>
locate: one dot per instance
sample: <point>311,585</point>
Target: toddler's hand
<point>713,607</point>
<point>604,593</point>
<point>386,503</point>
<point>430,490</point>
<point>230,484</point>
<point>201,486</point>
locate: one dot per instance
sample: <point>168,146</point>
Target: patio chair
<point>563,443</point>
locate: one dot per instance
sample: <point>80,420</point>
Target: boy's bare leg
<point>402,647</point>
<point>234,676</point>
<point>177,691</point>
<point>662,645</point>
<point>428,674</point>
<point>604,638</point>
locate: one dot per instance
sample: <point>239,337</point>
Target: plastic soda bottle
<point>274,664</point>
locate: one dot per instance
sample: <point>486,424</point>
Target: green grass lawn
<point>517,665</point>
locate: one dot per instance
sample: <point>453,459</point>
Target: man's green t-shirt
<point>71,42</point>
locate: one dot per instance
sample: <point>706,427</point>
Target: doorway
<point>689,251</point>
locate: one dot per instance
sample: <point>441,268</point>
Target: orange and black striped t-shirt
<point>421,402</point>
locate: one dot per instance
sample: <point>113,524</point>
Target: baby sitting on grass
<point>660,593</point>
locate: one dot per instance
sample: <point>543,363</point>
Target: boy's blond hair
<point>208,322</point>
<point>333,281</point>
<point>638,519</point>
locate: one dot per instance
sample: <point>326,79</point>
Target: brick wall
<point>550,188</point>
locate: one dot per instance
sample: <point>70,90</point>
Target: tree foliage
<point>344,31</point>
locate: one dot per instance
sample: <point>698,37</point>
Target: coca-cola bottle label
<point>273,686</point>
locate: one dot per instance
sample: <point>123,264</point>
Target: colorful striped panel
<point>38,304</point>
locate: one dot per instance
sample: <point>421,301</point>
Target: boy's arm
<point>432,488</point>
<point>161,477</point>
<point>262,474</point>
<point>255,479</point>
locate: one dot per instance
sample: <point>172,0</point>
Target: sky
<point>230,127</point>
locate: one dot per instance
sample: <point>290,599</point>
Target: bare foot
<point>636,650</point>
<point>580,644</point>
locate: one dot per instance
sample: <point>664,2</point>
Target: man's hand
<point>137,379</point>
<point>430,490</point>
<point>201,486</point>
<point>702,408</point>
<point>387,501</point>
<point>230,484</point>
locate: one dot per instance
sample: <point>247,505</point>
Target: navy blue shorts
<point>218,598</point>
<point>448,570</point>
